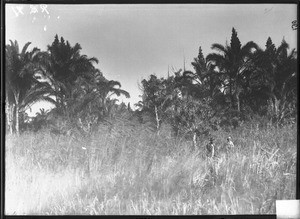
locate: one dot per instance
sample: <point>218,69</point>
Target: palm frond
<point>284,46</point>
<point>93,60</point>
<point>113,83</point>
<point>219,48</point>
<point>119,92</point>
<point>25,48</point>
<point>215,58</point>
<point>248,47</point>
<point>189,74</point>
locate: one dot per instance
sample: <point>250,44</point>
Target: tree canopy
<point>228,86</point>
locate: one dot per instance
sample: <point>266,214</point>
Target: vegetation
<point>130,170</point>
<point>91,155</point>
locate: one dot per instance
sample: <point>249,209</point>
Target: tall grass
<point>133,171</point>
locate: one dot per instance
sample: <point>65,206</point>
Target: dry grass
<point>136,172</point>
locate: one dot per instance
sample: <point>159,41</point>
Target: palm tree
<point>93,97</point>
<point>205,81</point>
<point>276,75</point>
<point>64,65</point>
<point>18,83</point>
<point>233,61</point>
<point>77,87</point>
<point>106,89</point>
<point>157,96</point>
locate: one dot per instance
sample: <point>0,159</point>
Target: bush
<point>128,169</point>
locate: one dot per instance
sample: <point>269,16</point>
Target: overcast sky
<point>134,41</point>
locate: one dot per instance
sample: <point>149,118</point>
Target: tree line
<point>61,76</point>
<point>234,83</point>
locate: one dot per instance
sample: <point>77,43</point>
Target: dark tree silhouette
<point>18,83</point>
<point>234,62</point>
<point>276,78</point>
<point>64,65</point>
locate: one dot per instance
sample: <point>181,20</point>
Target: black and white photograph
<point>150,109</point>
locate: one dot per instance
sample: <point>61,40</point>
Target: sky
<point>134,41</point>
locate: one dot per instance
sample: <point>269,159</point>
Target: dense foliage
<point>233,84</point>
<point>62,76</point>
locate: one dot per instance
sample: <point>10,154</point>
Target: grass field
<point>133,171</point>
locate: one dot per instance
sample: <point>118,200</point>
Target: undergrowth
<point>133,171</point>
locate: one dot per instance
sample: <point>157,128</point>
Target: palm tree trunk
<point>17,119</point>
<point>157,120</point>
<point>238,102</point>
<point>16,95</point>
<point>104,105</point>
<point>237,96</point>
<point>9,116</point>
<point>231,94</point>
<point>194,141</point>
